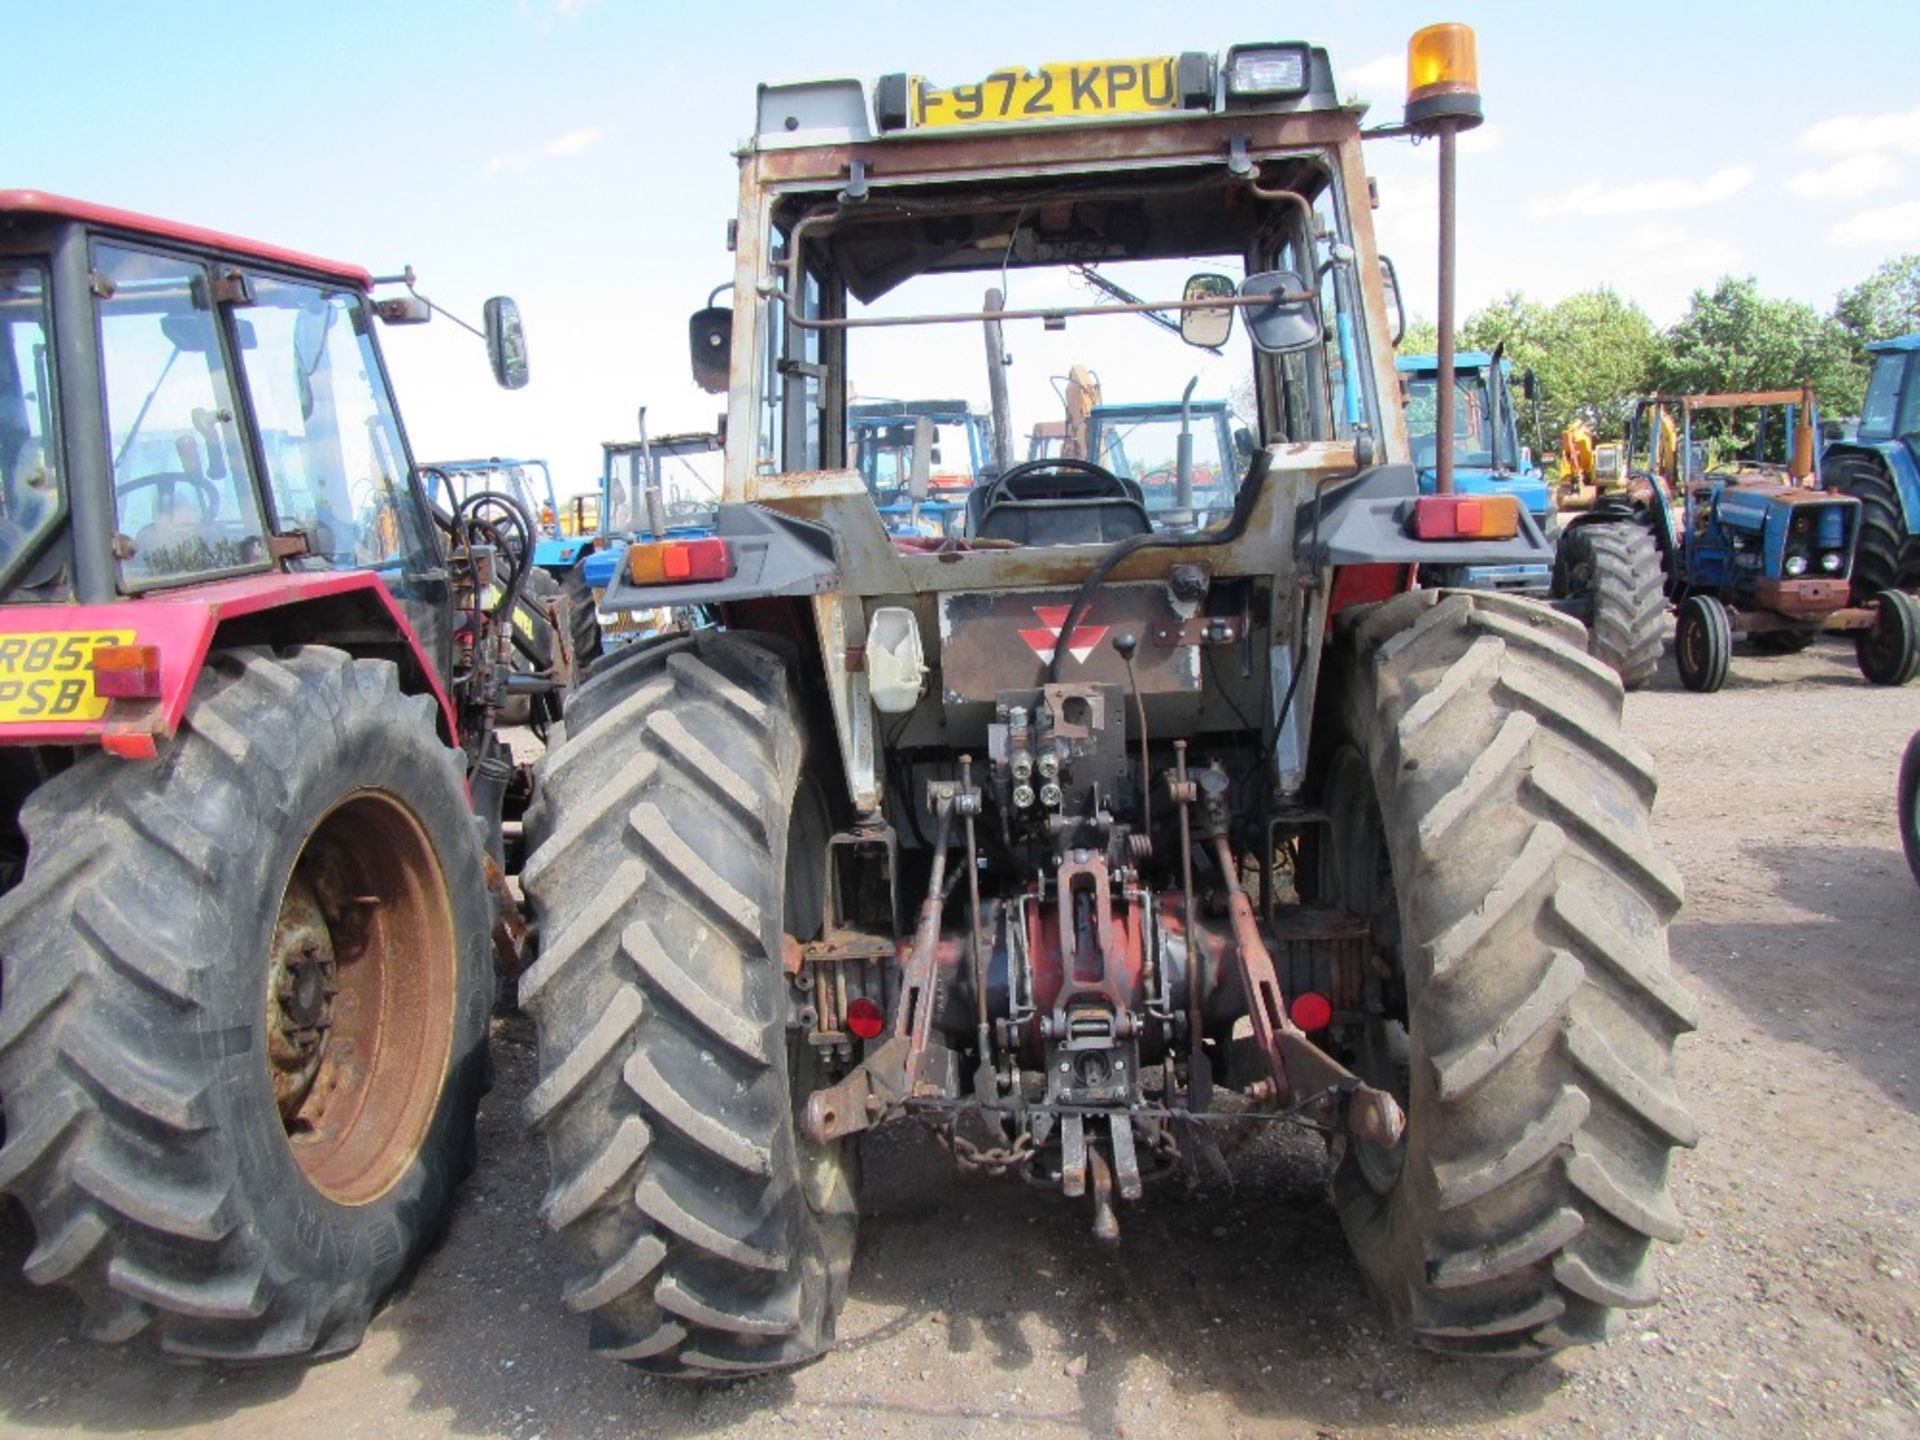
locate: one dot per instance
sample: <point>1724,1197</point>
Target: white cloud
<point>1640,196</point>
<point>546,14</point>
<point>1891,227</point>
<point>571,143</point>
<point>1853,178</point>
<point>1657,247</point>
<point>1378,80</point>
<point>1482,139</point>
<point>1861,134</point>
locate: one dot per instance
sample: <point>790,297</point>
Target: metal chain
<point>996,1159</point>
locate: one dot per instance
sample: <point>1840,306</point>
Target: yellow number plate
<point>1088,87</point>
<point>48,675</point>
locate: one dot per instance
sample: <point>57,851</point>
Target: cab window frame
<point>16,569</point>
<point>247,448</point>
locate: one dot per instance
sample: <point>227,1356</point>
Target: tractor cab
<point>884,435</point>
<point>184,414</point>
<point>1146,442</point>
<point>1488,457</point>
<point>653,489</point>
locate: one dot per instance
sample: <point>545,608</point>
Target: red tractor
<point>247,683</point>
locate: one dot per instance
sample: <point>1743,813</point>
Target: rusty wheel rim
<point>1693,646</point>
<point>361,991</point>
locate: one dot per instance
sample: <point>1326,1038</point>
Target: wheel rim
<point>1883,647</point>
<point>1356,874</point>
<point>361,990</point>
<point>1693,644</point>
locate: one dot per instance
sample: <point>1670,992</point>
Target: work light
<point>1266,71</point>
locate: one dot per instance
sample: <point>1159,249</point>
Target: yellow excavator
<point>1591,469</point>
<point>1067,439</point>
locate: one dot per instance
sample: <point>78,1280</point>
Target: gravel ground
<point>980,1308</point>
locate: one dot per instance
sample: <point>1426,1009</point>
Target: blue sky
<point>576,153</point>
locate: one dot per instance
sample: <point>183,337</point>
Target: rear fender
<point>351,609</point>
<point>1898,460</point>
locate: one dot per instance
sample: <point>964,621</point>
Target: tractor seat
<point>1057,502</point>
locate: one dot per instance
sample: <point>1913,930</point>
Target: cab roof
<point>106,217</point>
<point>1899,342</point>
<point>1462,360</point>
<point>846,109</point>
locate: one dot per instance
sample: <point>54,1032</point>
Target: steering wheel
<point>1106,485</point>
<point>205,493</point>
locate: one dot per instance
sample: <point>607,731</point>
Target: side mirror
<point>1243,442</point>
<point>1208,329</point>
<point>920,477</point>
<point>1390,290</point>
<point>710,338</point>
<point>1529,386</point>
<point>506,342</point>
<point>1284,324</point>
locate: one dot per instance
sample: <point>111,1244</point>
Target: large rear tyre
<point>1888,555</point>
<point>1703,643</point>
<point>1612,570</point>
<point>1909,802</point>
<point>1490,816</point>
<point>1889,653</point>
<point>585,617</point>
<point>245,1019</point>
<point>535,651</point>
<point>676,840</point>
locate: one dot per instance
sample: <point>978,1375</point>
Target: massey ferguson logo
<point>1053,619</point>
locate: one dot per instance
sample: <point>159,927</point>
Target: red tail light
<point>127,672</point>
<point>1465,517</point>
<point>865,1019</point>
<point>672,562</point>
<point>1311,1011</point>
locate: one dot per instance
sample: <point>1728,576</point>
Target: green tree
<point>1885,304</point>
<point>1734,338</point>
<point>1591,354</point>
<point>1422,338</point>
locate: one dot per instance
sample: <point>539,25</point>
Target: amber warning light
<point>1443,76</point>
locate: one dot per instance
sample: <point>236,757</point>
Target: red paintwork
<point>39,202</point>
<point>181,625</point>
<point>1365,584</point>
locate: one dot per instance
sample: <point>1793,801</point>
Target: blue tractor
<point>883,434</point>
<point>650,489</point>
<point>1880,467</point>
<point>1183,454</point>
<point>1757,546</point>
<point>1606,569</point>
